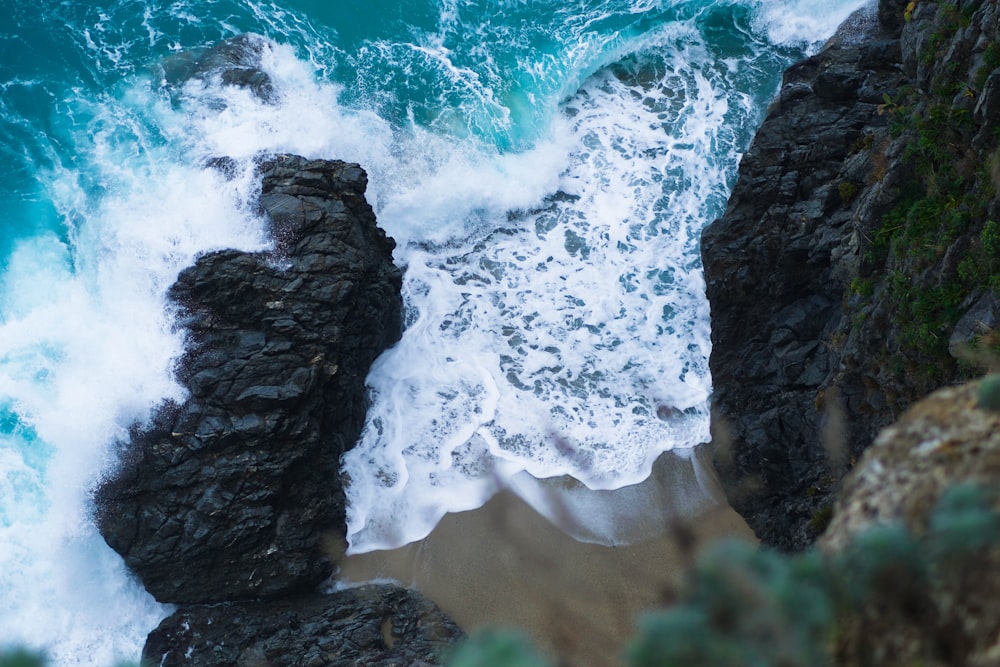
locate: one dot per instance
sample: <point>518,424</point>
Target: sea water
<point>545,166</point>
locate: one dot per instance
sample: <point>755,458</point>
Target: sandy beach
<point>507,565</point>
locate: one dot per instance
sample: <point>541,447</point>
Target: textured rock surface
<point>953,617</point>
<point>826,325</point>
<point>376,626</point>
<point>776,280</point>
<point>231,504</point>
<point>236,493</point>
<point>943,440</point>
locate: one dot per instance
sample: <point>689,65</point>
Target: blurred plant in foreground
<point>747,607</point>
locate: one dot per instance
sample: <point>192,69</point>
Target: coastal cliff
<point>856,266</point>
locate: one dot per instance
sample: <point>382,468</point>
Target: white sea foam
<point>86,348</point>
<point>87,343</point>
<point>568,339</point>
<point>805,22</point>
<point>571,339</point>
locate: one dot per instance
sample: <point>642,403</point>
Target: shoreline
<point>507,565</point>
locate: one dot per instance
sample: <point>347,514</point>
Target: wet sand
<point>506,565</point>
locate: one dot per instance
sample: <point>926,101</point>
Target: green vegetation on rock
<point>989,393</point>
<point>939,246</point>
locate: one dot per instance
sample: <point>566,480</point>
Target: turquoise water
<point>546,168</point>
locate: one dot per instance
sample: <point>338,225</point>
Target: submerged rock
<point>234,62</point>
<point>236,493</point>
<point>376,626</point>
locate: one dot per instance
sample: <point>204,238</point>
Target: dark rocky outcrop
<point>236,493</point>
<point>857,236</point>
<point>375,626</point>
<point>231,503</point>
<point>775,279</point>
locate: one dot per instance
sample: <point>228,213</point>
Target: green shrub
<point>847,191</point>
<point>497,648</point>
<point>20,658</point>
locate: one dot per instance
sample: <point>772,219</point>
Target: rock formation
<point>231,503</point>
<point>375,626</point>
<point>233,62</point>
<point>860,231</point>
<point>947,443</point>
<point>236,493</point>
<point>948,439</point>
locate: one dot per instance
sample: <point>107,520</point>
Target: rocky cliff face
<point>860,240</point>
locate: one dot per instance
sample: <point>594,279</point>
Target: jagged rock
<point>816,330</point>
<point>236,493</point>
<point>375,626</point>
<point>944,442</point>
<point>775,284</point>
